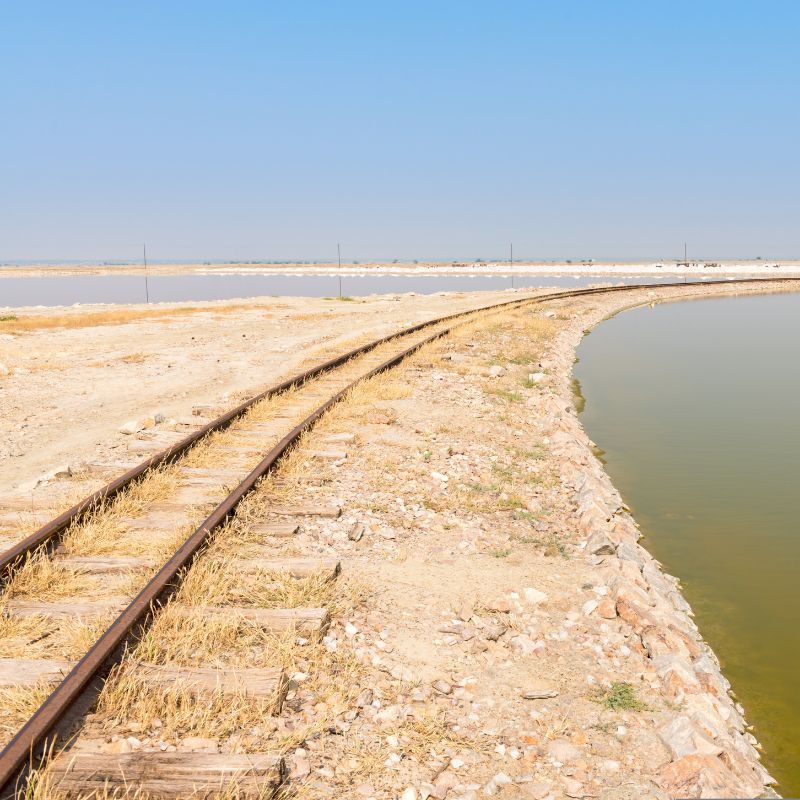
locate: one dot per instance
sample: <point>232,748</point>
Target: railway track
<point>167,511</point>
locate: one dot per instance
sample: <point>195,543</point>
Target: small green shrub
<point>622,697</point>
<point>511,397</point>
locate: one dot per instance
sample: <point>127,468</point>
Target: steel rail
<point>80,687</point>
<point>50,532</point>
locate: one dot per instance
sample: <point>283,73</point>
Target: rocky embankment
<point>714,755</point>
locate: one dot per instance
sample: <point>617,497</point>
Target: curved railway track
<point>295,404</point>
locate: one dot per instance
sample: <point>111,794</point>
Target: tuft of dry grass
<point>127,697</point>
<point>43,637</point>
<point>44,579</point>
<point>186,636</point>
<point>102,532</point>
<point>40,785</point>
<point>431,731</point>
<point>134,358</point>
<point>27,323</point>
<point>17,704</point>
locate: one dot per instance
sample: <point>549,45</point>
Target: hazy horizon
<point>518,261</point>
<point>436,132</point>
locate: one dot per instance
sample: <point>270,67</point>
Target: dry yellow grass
<point>42,578</point>
<point>41,637</point>
<point>16,706</point>
<point>134,358</point>
<point>128,697</point>
<point>102,532</point>
<point>33,322</point>
<point>42,786</point>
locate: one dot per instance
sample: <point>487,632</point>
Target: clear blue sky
<point>421,130</point>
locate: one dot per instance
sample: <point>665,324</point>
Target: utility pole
<point>512,265</point>
<point>685,256</point>
<point>146,283</point>
<point>339,254</point>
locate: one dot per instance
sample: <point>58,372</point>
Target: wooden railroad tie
<point>281,530</point>
<point>329,455</point>
<point>340,438</point>
<point>308,621</point>
<point>67,610</point>
<point>330,512</point>
<point>102,565</point>
<point>30,671</point>
<point>212,479</point>
<point>270,683</point>
<point>296,567</point>
<point>159,519</point>
<point>168,775</point>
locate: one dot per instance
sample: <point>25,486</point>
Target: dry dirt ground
<point>66,390</point>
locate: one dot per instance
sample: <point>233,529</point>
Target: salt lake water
<point>695,406</point>
<point>67,290</point>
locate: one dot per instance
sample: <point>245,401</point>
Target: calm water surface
<point>66,290</point>
<point>696,407</point>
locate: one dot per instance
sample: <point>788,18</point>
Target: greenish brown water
<point>697,407</point>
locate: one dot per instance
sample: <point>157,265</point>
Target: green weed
<point>622,697</point>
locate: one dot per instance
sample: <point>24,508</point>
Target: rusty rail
<point>49,533</point>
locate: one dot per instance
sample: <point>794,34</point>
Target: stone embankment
<point>713,753</point>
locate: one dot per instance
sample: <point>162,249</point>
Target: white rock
<point>589,607</point>
<point>409,794</point>
<point>521,644</point>
<point>563,751</point>
<point>534,596</point>
<point>536,377</point>
<point>599,544</point>
<point>301,767</point>
<point>629,551</point>
<point>131,427</point>
<point>496,371</point>
<point>683,738</point>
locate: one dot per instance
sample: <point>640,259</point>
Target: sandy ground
<point>67,390</point>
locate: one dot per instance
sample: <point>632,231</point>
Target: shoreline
<point>716,755</point>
